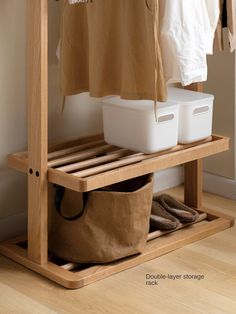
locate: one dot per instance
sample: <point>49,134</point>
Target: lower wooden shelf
<point>73,277</point>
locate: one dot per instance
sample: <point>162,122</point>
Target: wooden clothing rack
<point>89,163</point>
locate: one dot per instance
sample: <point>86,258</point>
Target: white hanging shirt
<point>186,37</point>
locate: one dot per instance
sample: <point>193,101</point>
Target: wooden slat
<point>175,156</point>
<point>69,266</point>
<point>79,156</point>
<point>94,161</point>
<point>73,149</point>
<point>159,233</point>
<point>154,248</point>
<point>109,166</point>
<point>75,142</point>
<point>212,214</point>
<point>18,161</point>
<point>132,159</point>
<point>37,14</point>
<point>151,236</point>
<point>146,166</point>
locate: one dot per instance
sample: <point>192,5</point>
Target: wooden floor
<point>22,291</point>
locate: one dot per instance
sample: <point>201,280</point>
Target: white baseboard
<point>219,185</point>
<point>13,226</point>
<point>172,177</point>
<point>168,178</point>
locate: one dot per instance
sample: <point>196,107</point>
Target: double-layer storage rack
<point>87,164</point>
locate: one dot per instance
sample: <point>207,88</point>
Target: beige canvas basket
<point>113,222</point>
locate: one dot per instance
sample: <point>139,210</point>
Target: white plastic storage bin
<point>131,124</point>
<point>195,115</point>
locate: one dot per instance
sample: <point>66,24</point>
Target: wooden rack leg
<point>37,13</point>
<point>193,171</point>
<point>193,183</point>
<point>197,87</point>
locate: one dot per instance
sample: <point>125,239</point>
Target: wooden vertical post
<point>193,171</point>
<point>37,19</point>
<point>193,183</point>
<point>197,87</point>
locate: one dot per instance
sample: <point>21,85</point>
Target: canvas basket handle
<point>59,194</point>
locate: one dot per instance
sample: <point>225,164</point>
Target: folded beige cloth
<point>160,219</point>
<point>176,208</point>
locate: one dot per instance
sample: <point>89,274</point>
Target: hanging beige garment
<point>231,26</point>
<point>111,47</point>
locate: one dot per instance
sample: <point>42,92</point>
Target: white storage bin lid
<point>147,105</point>
<point>187,97</point>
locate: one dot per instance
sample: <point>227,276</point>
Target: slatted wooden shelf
<point>90,163</point>
<point>73,275</point>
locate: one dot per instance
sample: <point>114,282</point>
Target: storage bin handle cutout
<point>166,117</point>
<point>200,110</point>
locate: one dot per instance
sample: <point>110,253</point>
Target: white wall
<point>221,83</point>
<point>12,103</point>
<point>81,115</point>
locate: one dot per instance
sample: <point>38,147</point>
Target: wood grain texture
<point>139,164</point>
<point>53,147</point>
<point>75,157</point>
<point>197,87</point>
<point>13,301</point>
<point>193,170</point>
<point>160,233</point>
<point>153,249</point>
<point>156,248</point>
<point>22,291</point>
<point>151,236</point>
<point>49,270</point>
<point>37,26</point>
<point>73,149</point>
<point>19,161</point>
<point>134,158</point>
<point>193,182</point>
<point>149,165</point>
<point>94,161</point>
